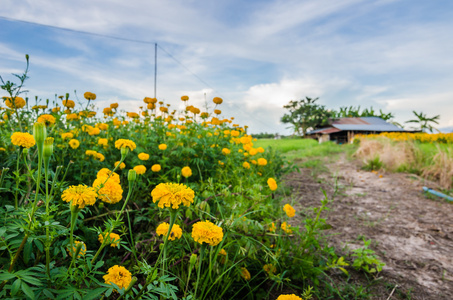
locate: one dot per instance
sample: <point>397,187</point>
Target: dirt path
<point>413,235</point>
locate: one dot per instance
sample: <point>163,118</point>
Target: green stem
<point>118,216</point>
<point>17,181</point>
<point>203,247</point>
<point>74,214</point>
<point>173,214</point>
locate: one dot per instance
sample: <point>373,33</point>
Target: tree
<point>424,121</point>
<point>305,114</point>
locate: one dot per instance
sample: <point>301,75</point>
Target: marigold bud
<point>39,132</point>
<point>193,260</point>
<point>48,147</point>
<point>132,175</point>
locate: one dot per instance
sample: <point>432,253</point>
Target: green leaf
<point>4,275</point>
<point>99,264</point>
<point>15,287</point>
<point>28,291</point>
<point>94,294</point>
<point>48,294</point>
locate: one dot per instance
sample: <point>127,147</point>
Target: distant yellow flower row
<point>421,137</point>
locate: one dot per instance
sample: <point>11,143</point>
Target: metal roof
<point>359,124</point>
<point>365,124</point>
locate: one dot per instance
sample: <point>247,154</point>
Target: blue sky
<point>257,55</point>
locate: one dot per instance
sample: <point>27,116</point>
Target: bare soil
<point>411,233</point>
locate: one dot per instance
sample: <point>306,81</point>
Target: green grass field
<point>306,153</point>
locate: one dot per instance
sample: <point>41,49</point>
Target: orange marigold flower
<point>207,232</point>
<point>172,195</point>
<point>289,297</point>
<point>83,250</point>
<point>289,210</point>
<point>124,143</point>
<point>118,275</point>
<point>68,103</point>
<point>143,156</point>
<point>103,142</point>
<point>186,172</point>
<point>47,119</point>
<point>272,184</point>
<point>185,98</point>
<point>74,144</point>
<point>104,172</point>
<point>89,96</point>
<point>122,165</point>
<point>176,231</point>
<point>156,168</point>
<point>19,102</point>
<point>286,227</point>
<point>217,100</point>
<point>245,274</point>
<point>110,191</point>
<point>246,165</point>
<point>23,139</point>
<point>80,195</point>
<point>140,169</point>
<point>262,161</point>
<point>113,238</point>
<point>226,151</point>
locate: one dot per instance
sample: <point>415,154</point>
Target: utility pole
<point>155,69</point>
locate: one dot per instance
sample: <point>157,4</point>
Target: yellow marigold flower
<point>262,161</point>
<point>133,115</point>
<point>289,210</point>
<point>207,232</point>
<point>163,109</point>
<point>114,238</point>
<point>107,111</point>
<point>2,149</point>
<point>123,143</point>
<point>83,250</point>
<point>272,184</point>
<point>103,142</point>
<point>252,161</point>
<point>23,139</point>
<point>286,227</point>
<point>217,111</point>
<point>68,103</point>
<point>111,192</point>
<point>67,135</point>
<point>90,153</point>
<point>226,151</point>
<point>246,165</point>
<point>162,146</point>
<point>260,149</point>
<point>143,156</point>
<point>245,274</point>
<point>140,169</point>
<point>172,195</point>
<point>80,195</point>
<point>185,98</point>
<point>151,106</point>
<point>71,117</point>
<point>94,131</point>
<point>47,119</point>
<point>217,100</point>
<point>156,168</point>
<point>176,231</point>
<point>19,102</point>
<point>272,227</point>
<point>289,297</point>
<point>253,151</point>
<point>99,157</point>
<point>235,133</point>
<point>114,105</point>
<point>186,172</point>
<point>74,144</point>
<point>269,269</point>
<point>89,96</point>
<point>104,172</point>
<point>122,165</point>
<point>118,275</point>
<point>222,252</point>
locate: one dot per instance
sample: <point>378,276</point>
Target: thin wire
<point>240,109</point>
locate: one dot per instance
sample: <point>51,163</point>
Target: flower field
<point>155,204</point>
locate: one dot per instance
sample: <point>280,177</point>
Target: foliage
<point>63,250</point>
<point>306,114</point>
<point>366,259</point>
<point>424,122</point>
<point>355,112</point>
